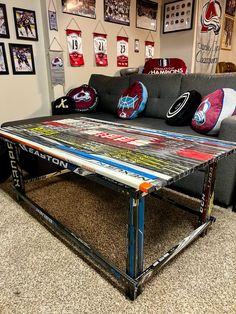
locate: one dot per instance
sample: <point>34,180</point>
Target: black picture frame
<point>227,33</point>
<point>3,60</point>
<point>147,9</point>
<point>22,59</point>
<point>113,9</point>
<point>230,7</point>
<point>70,8</point>
<point>178,16</point>
<point>4,28</point>
<point>25,24</point>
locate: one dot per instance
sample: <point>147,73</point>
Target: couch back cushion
<point>109,90</point>
<point>162,90</point>
<point>206,84</point>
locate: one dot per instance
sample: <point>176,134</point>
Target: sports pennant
<point>100,49</point>
<point>52,16</point>
<point>56,67</point>
<point>122,51</point>
<point>149,50</point>
<point>75,50</point>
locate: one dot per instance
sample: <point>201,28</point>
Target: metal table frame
<point>135,276</point>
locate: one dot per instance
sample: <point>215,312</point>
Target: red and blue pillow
<point>133,101</point>
<point>213,109</point>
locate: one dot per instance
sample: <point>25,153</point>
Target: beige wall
<point>24,96</point>
<point>76,76</point>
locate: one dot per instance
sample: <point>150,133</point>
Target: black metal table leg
<point>208,193</point>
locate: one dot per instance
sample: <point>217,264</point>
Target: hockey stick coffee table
<point>132,160</point>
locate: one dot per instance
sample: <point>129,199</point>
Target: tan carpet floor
<point>40,274</point>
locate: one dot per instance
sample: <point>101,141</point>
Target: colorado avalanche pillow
<point>183,109</point>
<point>85,98</point>
<point>213,109</point>
<point>132,101</point>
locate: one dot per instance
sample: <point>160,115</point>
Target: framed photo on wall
<point>85,8</point>
<point>227,33</point>
<point>146,14</point>
<point>178,16</point>
<point>117,11</point>
<point>230,7</point>
<point>22,59</point>
<point>4,29</point>
<point>25,24</point>
<point>3,60</point>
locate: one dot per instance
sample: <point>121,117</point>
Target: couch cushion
<point>206,84</point>
<point>109,90</point>
<point>162,90</point>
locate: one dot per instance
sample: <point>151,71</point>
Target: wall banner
<point>100,49</point>
<point>149,50</point>
<point>122,51</point>
<point>52,18</point>
<point>74,42</point>
<point>56,67</point>
<point>208,35</point>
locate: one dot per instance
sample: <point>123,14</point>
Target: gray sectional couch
<point>162,91</point>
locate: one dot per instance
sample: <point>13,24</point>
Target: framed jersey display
<point>22,59</point>
<point>178,16</point>
<point>25,24</point>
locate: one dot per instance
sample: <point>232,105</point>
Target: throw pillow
<point>182,110</point>
<point>85,97</point>
<point>133,101</point>
<point>63,105</point>
<point>213,109</point>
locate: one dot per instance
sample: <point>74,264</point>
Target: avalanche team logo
<point>82,96</point>
<point>210,18</point>
<point>200,115</point>
<point>57,62</point>
<point>85,97</point>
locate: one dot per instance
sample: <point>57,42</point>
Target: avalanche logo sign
<point>210,18</point>
<point>82,96</point>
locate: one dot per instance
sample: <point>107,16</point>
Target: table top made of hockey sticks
<point>140,158</point>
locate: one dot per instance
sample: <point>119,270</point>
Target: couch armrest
<point>228,129</point>
<point>227,167</point>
